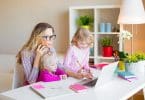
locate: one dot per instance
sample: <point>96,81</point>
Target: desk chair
<point>7,63</point>
<point>18,77</point>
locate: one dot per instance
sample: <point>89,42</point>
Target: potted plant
<point>140,56</point>
<point>107,49</point>
<point>135,63</point>
<point>85,21</point>
<point>122,56</point>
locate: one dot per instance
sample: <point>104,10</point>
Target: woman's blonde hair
<point>82,34</point>
<point>33,42</point>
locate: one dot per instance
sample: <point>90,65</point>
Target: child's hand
<point>63,77</point>
<point>79,75</point>
<point>88,75</point>
<point>80,70</point>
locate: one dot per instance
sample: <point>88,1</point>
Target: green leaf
<point>106,41</point>
<point>84,20</point>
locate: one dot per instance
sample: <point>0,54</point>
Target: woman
<point>29,56</point>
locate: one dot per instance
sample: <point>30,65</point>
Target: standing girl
<point>29,56</point>
<point>77,57</point>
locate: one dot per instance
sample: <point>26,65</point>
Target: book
<point>128,79</point>
<point>126,74</point>
<point>99,65</point>
<point>47,91</point>
<point>78,87</point>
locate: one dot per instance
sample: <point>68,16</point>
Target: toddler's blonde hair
<point>48,60</point>
<point>82,34</point>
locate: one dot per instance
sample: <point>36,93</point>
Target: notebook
<point>126,74</point>
<point>99,65</point>
<point>106,75</point>
<point>47,91</point>
<point>78,88</point>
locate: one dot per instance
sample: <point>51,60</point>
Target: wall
<point>18,18</point>
<point>138,39</point>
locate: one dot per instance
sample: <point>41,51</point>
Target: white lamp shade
<point>131,12</point>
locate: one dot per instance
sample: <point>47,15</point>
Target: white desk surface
<point>118,89</point>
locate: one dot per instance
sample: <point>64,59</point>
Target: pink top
<point>75,55</point>
<point>47,76</point>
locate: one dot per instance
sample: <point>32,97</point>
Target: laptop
<point>106,75</point>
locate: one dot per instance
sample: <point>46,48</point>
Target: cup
<point>108,27</point>
<point>102,27</point>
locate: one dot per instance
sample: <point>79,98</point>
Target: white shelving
<point>101,13</point>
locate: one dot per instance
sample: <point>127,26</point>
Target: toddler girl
<point>49,70</point>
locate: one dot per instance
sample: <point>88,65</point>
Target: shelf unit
<point>101,14</point>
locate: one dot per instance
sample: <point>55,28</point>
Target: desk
<point>117,89</point>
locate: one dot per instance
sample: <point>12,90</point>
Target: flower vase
<point>141,66</point>
<point>137,68</point>
<point>121,66</point>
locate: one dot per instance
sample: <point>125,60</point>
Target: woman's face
<point>47,37</point>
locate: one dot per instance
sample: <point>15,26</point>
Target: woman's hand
<point>39,52</point>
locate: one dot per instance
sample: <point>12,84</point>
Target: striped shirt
<point>76,58</point>
<point>30,72</point>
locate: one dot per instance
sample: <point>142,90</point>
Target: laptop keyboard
<point>91,83</point>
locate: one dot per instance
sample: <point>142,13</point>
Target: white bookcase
<point>101,13</point>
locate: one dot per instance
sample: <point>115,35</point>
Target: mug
<point>102,27</point>
<point>108,27</point>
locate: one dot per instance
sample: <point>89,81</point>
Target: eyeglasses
<point>51,37</point>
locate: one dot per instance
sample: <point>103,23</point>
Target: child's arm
<point>86,61</point>
<point>70,60</point>
<point>74,74</point>
<point>61,73</point>
<point>86,68</point>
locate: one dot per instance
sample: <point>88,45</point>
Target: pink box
<point>78,88</point>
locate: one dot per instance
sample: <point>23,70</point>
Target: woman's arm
<point>31,73</point>
<point>31,63</point>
